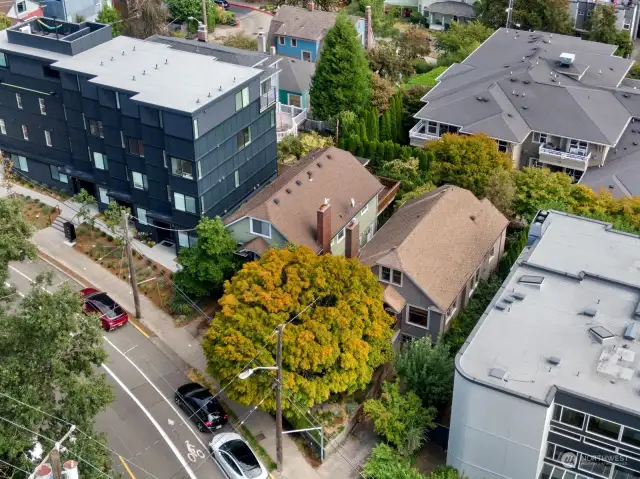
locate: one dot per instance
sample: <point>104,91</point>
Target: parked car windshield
<point>244,457</point>
<point>107,306</point>
<point>204,400</point>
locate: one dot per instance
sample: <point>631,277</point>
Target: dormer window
<point>390,275</point>
<point>260,228</point>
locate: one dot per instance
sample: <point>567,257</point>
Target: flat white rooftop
<point>160,75</point>
<point>550,321</point>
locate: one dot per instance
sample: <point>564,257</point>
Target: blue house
<point>299,33</point>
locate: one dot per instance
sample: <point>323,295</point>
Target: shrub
<point>149,262</point>
<point>110,238</point>
<point>178,305</point>
<point>102,234</point>
<point>421,66</point>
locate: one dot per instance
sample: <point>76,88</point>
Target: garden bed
<point>38,213</point>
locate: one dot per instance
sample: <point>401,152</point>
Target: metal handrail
<point>565,154</point>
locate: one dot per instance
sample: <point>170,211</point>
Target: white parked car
<point>236,458</point>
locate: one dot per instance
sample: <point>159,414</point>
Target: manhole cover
<point>260,437</point>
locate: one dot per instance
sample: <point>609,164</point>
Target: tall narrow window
<point>3,128</point>
<point>104,197</point>
<point>100,161</point>
<point>139,180</point>
<point>25,132</point>
<point>196,131</point>
<point>236,177</point>
<point>142,216</point>
<point>160,119</point>
<point>122,139</point>
<point>3,60</point>
<point>47,138</point>
<point>243,138</point>
<point>242,99</point>
<point>43,107</point>
<point>19,100</point>
<point>117,100</point>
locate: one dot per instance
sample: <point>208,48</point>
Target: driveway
<point>252,21</point>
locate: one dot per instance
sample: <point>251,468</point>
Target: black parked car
<point>201,406</point>
<point>222,3</point>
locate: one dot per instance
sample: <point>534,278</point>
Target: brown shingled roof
<point>290,203</point>
<point>438,239</point>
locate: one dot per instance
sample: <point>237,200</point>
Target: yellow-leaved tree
<point>332,347</point>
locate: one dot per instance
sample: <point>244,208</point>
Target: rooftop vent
<point>601,334</point>
<point>319,164</point>
<point>626,95</point>
<point>526,82</point>
<point>555,360</point>
<point>508,299</point>
<point>531,280</point>
<point>298,182</point>
<point>501,306</point>
<point>631,331</point>
<point>309,174</point>
<point>288,190</point>
<point>524,107</point>
<point>498,373</point>
<point>276,201</point>
<point>513,79</point>
<point>591,312</point>
<point>518,295</point>
<point>567,58</point>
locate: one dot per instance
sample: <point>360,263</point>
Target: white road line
<point>25,276</point>
<point>158,391</point>
<point>8,285</point>
<point>169,442</point>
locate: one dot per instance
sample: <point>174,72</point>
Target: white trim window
<point>539,138</point>
<point>418,317</point>
<point>3,127</point>
<point>432,127</point>
<point>20,163</point>
<point>390,276</point>
<point>243,138</point>
<point>492,253</point>
<point>100,161</point>
<point>142,216</point>
<point>306,56</point>
<point>503,146</point>
<point>260,228</point>
<point>364,210</point>
<point>242,99</point>
<point>184,203</point>
<point>294,42</point>
<point>281,40</point>
<point>25,132</point>
<point>580,145</point>
<point>341,235</point>
<point>43,107</point>
<point>475,279</point>
<point>104,197</point>
<point>451,312</point>
<point>139,180</point>
<point>19,101</point>
<point>595,466</point>
<point>47,138</point>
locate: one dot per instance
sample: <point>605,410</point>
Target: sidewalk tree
<point>400,418</point>
<point>84,213</point>
<point>466,161</point>
<point>111,16</point>
<point>342,80</point>
<point>427,369</point>
<point>113,219</point>
<point>15,234</point>
<point>602,28</point>
<point>50,354</point>
<point>552,16</point>
<point>340,335</point>
<point>205,266</point>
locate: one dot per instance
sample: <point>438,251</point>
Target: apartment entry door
<point>163,232</point>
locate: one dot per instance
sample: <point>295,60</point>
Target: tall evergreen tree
<point>399,117</point>
<point>385,126</point>
<point>342,80</point>
<point>372,124</point>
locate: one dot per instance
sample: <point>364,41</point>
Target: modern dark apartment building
<point>174,135</point>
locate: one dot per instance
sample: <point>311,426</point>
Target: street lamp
<point>248,372</point>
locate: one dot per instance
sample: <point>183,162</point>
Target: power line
<point>16,467</point>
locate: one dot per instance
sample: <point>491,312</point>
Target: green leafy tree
<point>381,93</point>
<point>340,335</point>
<point>400,418</point>
<point>634,73</point>
<point>548,15</point>
<point>113,219</point>
<point>342,78</point>
<point>15,234</point>
<point>5,22</point>
<point>456,43</point>
<point>427,370</point>
<point>602,28</point>
<point>501,191</point>
<point>85,201</point>
<point>466,161</point>
<point>385,60</point>
<point>415,43</point>
<point>50,354</point>
<point>294,147</point>
<point>210,262</point>
<point>110,16</point>
<point>240,40</point>
<point>384,463</point>
<point>183,9</point>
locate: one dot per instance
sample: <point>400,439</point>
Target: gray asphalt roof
<point>158,75</point>
<point>301,23</point>
<point>537,93</point>
<point>459,9</point>
<point>295,75</point>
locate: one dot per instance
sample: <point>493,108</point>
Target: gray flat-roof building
<point>548,100</point>
<point>547,385</point>
<point>173,134</point>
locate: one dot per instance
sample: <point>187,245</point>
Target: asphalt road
<point>150,436</point>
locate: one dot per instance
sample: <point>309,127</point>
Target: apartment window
<point>242,99</point>
<point>47,138</point>
<point>281,40</point>
<point>104,197</point>
<point>139,180</point>
<point>492,253</point>
<point>100,161</point>
<point>624,473</point>
<point>20,163</point>
<point>341,234</point>
<point>22,6</point>
<point>160,119</point>
<point>418,316</point>
<point>183,168</point>
<point>539,137</point>
<point>502,146</point>
<point>260,228</point>
<point>602,427</point>
<point>594,466</point>
<point>236,178</point>
<point>19,100</point>
<point>184,203</point>
<point>569,417</point>
<point>243,138</point>
<point>364,210</point>
<point>135,147</point>
<point>626,24</point>
<point>295,100</point>
<point>142,216</point>
<point>25,132</point>
<point>3,60</point>
<point>186,240</point>
<point>84,121</point>
<point>272,117</point>
<point>196,130</point>
<point>95,128</point>
<point>43,107</point>
<point>432,128</point>
<point>3,127</point>
<point>631,437</point>
<point>390,275</point>
<point>56,175</point>
<point>294,42</point>
<point>578,145</point>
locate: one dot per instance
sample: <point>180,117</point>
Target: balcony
<point>418,135</point>
<point>288,120</point>
<point>388,193</point>
<point>576,159</point>
<point>268,99</point>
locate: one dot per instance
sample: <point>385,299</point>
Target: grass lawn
<point>428,79</point>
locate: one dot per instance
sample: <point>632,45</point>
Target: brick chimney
<point>352,239</point>
<point>310,6</point>
<point>324,227</point>
<point>368,29</point>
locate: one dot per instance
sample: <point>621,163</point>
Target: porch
<point>288,120</point>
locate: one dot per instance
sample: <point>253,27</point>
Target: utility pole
<point>132,269</point>
<point>509,11</point>
<point>54,458</point>
<point>204,21</point>
<point>279,399</point>
<point>56,467</point>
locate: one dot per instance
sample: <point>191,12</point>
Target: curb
<point>139,325</point>
<point>256,9</point>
